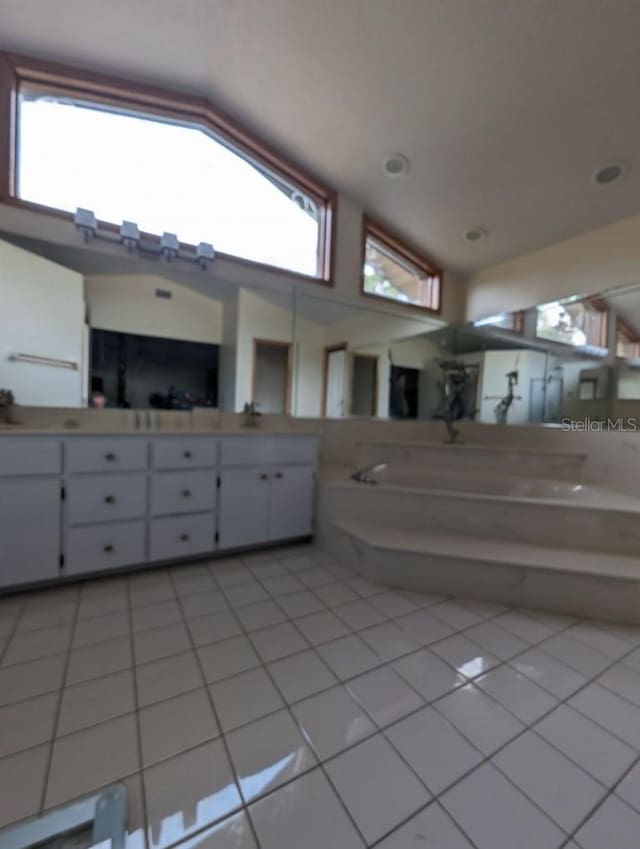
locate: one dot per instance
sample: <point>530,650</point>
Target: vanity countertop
<point>18,430</point>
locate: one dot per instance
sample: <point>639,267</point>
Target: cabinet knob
<point>187,455</point>
<point>110,457</point>
<point>184,537</point>
<point>279,475</point>
<point>108,549</point>
<point>186,493</point>
<point>110,499</point>
<point>264,476</point>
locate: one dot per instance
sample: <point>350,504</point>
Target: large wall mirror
<point>138,336</point>
<point>78,333</point>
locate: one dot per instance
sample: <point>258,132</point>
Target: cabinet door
<point>244,507</point>
<point>29,530</point>
<point>291,508</point>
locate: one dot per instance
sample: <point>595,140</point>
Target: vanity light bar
<point>169,248</point>
<point>36,360</point>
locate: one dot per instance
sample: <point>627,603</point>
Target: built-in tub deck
<point>496,523</point>
<point>593,584</point>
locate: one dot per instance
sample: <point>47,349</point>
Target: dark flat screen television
<point>137,371</point>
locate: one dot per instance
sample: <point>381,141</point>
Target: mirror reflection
<point>167,340</point>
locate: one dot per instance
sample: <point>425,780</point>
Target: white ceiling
<point>503,107</point>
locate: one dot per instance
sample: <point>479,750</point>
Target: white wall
<point>128,304</point>
<point>41,313</point>
<point>587,264</point>
<point>308,368</point>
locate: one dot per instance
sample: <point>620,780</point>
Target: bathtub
<point>396,475</point>
<point>549,544</point>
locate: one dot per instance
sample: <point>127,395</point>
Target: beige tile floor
<point>281,700</point>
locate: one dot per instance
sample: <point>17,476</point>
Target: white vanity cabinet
<point>77,504</point>
<point>105,503</point>
<point>30,501</point>
<point>183,487</point>
<point>266,489</point>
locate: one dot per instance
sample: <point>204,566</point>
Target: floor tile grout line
<point>344,682</point>
<point>527,728</point>
<point>224,741</point>
<point>12,632</point>
<point>611,791</point>
<point>319,762</point>
<point>138,721</point>
<point>503,662</point>
<point>58,712</point>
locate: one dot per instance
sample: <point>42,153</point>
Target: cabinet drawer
<point>30,457</point>
<point>183,492</point>
<point>181,536</point>
<point>247,450</point>
<point>106,498</point>
<point>176,452</point>
<point>105,455</point>
<point>295,449</point>
<point>98,547</point>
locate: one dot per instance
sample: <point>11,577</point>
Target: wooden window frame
<point>17,70</point>
<point>412,255</point>
<point>600,307</point>
<point>631,336</point>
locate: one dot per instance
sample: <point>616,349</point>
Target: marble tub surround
<point>565,554</point>
<point>331,712</point>
<point>473,459</point>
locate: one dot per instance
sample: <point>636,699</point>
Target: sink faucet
<point>251,414</point>
<point>366,475</point>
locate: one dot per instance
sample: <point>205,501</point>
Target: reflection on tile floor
<point>281,700</point>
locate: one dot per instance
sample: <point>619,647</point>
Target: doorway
<point>364,385</point>
<point>335,360</point>
<point>272,376</point>
<point>403,393</point>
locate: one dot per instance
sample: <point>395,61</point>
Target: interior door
<point>335,382</point>
<point>271,376</point>
<point>553,399</point>
<point>536,400</point>
<point>244,507</point>
<point>291,509</point>
<point>364,385</point>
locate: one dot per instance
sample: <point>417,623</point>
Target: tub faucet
<point>366,475</point>
<point>451,431</point>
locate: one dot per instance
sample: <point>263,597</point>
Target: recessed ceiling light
<point>609,173</point>
<point>396,165</point>
<point>475,234</point>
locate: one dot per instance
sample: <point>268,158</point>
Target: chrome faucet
<point>451,430</point>
<point>251,414</point>
<point>366,475</point>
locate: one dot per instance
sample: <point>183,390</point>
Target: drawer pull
<point>187,455</point>
<point>108,549</point>
<point>264,476</point>
<point>186,493</point>
<point>279,475</point>
<point>184,537</point>
<point>109,499</point>
<point>110,457</point>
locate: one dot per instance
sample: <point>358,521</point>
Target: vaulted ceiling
<point>504,108</point>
